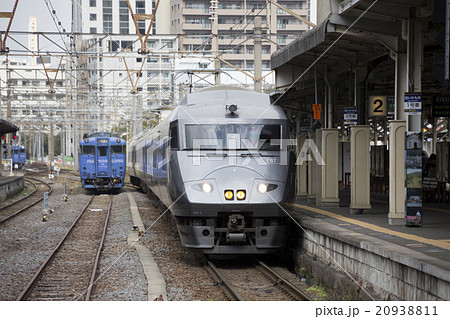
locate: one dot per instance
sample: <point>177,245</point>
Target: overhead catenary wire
<point>72,52</point>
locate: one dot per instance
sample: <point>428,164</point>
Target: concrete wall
<point>382,272</point>
<point>10,187</point>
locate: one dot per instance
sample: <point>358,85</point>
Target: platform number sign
<point>377,105</point>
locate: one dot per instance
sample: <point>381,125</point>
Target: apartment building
<point>194,20</point>
<point>113,68</point>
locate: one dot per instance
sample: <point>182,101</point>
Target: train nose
<point>235,178</point>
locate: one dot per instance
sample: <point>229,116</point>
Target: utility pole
<point>133,115</point>
<point>214,5</point>
<point>50,144</point>
<point>257,51</point>
<point>139,113</point>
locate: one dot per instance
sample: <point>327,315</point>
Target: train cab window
<point>173,134</point>
<point>87,150</point>
<point>102,151</point>
<point>117,149</point>
<point>269,133</point>
<point>256,136</point>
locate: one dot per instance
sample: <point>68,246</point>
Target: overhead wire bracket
<point>9,15</point>
<point>47,70</point>
<point>136,17</point>
<point>138,75</point>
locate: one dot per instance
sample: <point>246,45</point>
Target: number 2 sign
<point>377,105</point>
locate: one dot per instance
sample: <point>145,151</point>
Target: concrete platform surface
<point>433,239</point>
<point>8,179</point>
<point>155,281</point>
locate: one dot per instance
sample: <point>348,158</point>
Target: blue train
<point>102,158</point>
<point>18,155</point>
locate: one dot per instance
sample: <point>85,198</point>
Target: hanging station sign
<point>441,106</point>
<point>316,109</point>
<point>350,116</point>
<point>413,103</point>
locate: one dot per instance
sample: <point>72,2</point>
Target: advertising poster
<point>413,183</point>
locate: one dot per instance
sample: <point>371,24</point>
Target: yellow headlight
<point>240,194</point>
<point>229,194</point>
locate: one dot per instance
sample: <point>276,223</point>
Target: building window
<point>93,30</point>
<point>126,45</point>
<point>92,17</point>
<point>123,18</point>
<point>92,3</point>
<point>113,46</point>
<point>140,9</point>
<point>107,16</point>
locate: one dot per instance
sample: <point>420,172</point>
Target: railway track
<point>256,282</point>
<point>15,208</point>
<point>36,168</point>
<point>69,272</point>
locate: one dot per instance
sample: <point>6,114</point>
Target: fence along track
<point>245,283</point>
<point>22,204</point>
<point>69,272</point>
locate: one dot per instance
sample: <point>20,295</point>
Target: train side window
<point>173,134</point>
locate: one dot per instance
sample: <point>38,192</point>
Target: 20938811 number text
<point>406,311</point>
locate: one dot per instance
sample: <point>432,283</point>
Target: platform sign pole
<point>413,163</point>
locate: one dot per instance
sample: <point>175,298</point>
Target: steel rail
<point>229,290</point>
<point>286,284</point>
<point>23,295</point>
<point>24,198</point>
<point>99,251</point>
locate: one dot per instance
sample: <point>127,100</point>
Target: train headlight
<point>262,188</point>
<point>229,195</point>
<point>206,187</point>
<point>240,194</point>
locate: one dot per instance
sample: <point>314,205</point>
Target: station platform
<point>410,263</point>
<point>10,186</point>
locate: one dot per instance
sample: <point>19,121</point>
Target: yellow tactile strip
<point>444,244</point>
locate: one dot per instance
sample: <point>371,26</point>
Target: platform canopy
<point>6,127</point>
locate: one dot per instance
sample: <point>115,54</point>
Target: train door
<point>103,161</point>
<point>23,156</point>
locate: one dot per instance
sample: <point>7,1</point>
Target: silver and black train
<point>218,162</point>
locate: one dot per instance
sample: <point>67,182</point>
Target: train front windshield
<point>87,150</point>
<point>117,149</point>
<point>218,136</point>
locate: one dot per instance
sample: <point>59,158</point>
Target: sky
<point>38,8</point>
